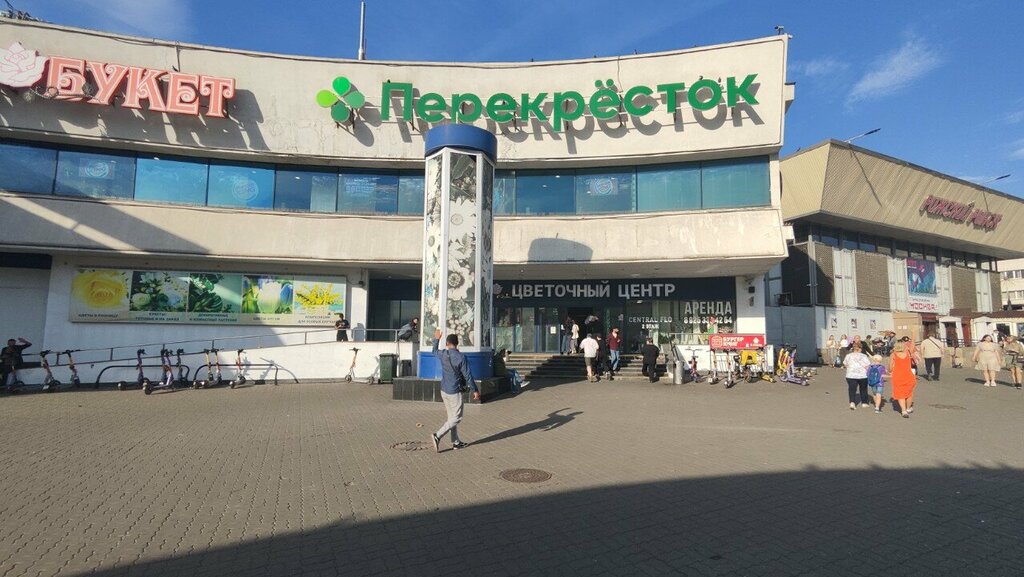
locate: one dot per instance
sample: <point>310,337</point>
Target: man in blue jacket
<point>454,369</point>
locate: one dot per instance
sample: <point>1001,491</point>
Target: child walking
<point>876,381</point>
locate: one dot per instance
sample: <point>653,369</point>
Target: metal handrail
<point>213,344</point>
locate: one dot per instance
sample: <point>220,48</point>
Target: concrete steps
<point>536,366</point>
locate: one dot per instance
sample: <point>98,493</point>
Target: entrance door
<point>950,334</point>
<point>548,330</point>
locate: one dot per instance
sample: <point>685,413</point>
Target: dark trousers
<point>651,370</point>
<point>858,390</point>
<point>931,367</point>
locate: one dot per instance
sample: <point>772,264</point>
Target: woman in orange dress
<point>903,378</point>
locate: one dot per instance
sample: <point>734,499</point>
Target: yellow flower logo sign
<point>101,289</point>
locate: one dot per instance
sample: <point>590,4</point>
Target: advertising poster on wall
<point>922,293</point>
<point>109,295</point>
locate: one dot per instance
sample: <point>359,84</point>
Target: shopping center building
<point>881,244</point>
<point>190,192</point>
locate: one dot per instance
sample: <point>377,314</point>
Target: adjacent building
<point>882,244</point>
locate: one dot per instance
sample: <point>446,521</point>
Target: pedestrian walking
<point>987,359</point>
<point>590,348</point>
<point>876,381</point>
<point>903,378</point>
<point>567,338</point>
<point>932,349</point>
<point>614,343</point>
<point>603,362</point>
<point>1013,355</point>
<point>844,348</point>
<point>650,353</point>
<point>857,364</point>
<point>830,351</point>
<point>915,355</point>
<point>455,378</point>
<point>342,326</point>
<point>574,335</point>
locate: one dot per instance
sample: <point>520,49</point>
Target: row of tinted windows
<point>78,172</point>
<point>853,240</point>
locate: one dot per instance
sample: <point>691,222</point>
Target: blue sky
<point>943,80</point>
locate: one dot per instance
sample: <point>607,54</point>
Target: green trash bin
<point>386,365</point>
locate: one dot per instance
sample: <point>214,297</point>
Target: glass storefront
<point>530,316</point>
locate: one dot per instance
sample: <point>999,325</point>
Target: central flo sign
<point>606,101</point>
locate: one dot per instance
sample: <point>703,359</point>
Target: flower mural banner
<point>111,295</point>
<point>923,294</point>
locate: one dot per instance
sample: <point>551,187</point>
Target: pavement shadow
<point>942,521</point>
<point>552,421</point>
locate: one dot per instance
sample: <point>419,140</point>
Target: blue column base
<point>481,364</point>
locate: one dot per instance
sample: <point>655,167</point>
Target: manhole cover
<point>525,475</point>
<point>411,446</point>
<point>949,407</point>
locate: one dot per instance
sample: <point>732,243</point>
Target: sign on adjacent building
<point>923,293</point>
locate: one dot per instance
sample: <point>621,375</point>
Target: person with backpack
<point>876,381</point>
<point>857,364</point>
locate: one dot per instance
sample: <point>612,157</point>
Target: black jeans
<point>931,367</point>
<point>858,386</point>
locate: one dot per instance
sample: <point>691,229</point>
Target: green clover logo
<point>342,100</point>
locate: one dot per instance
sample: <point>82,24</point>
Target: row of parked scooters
<point>751,365</point>
<point>174,374</point>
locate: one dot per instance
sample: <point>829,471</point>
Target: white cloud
<point>168,19</point>
<point>895,71</point>
<point>1018,154</point>
<point>1015,117</point>
<point>825,66</point>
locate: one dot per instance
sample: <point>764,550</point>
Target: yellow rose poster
<point>318,301</point>
<point>100,295</point>
<point>146,296</point>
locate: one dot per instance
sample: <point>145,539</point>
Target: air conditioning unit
<point>784,299</point>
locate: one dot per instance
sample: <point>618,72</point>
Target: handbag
<point>459,379</point>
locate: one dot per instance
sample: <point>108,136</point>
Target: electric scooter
<point>786,370</point>
<point>168,380</point>
<point>695,376</point>
<point>50,384</point>
<point>199,383</point>
<point>140,381</point>
<point>182,381</point>
<point>75,381</point>
<point>239,379</point>
<point>730,369</point>
<point>352,369</point>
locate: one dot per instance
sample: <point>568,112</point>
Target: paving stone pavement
<point>647,479</point>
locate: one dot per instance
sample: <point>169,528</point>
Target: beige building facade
<point>884,245</point>
<point>202,167</point>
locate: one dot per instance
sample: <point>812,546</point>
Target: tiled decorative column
<point>458,259</point>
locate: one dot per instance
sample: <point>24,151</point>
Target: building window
<point>178,181</point>
<point>544,192</point>
<point>663,188</point>
<point>602,191</point>
<point>27,168</point>
<point>735,183</point>
<point>241,185</point>
<point>849,240</point>
<point>95,175</point>
<point>801,231</point>
<point>410,192</point>
<point>900,249</point>
<point>504,192</point>
<point>867,243</point>
<point>306,191</point>
<point>828,236</point>
<point>365,192</point>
